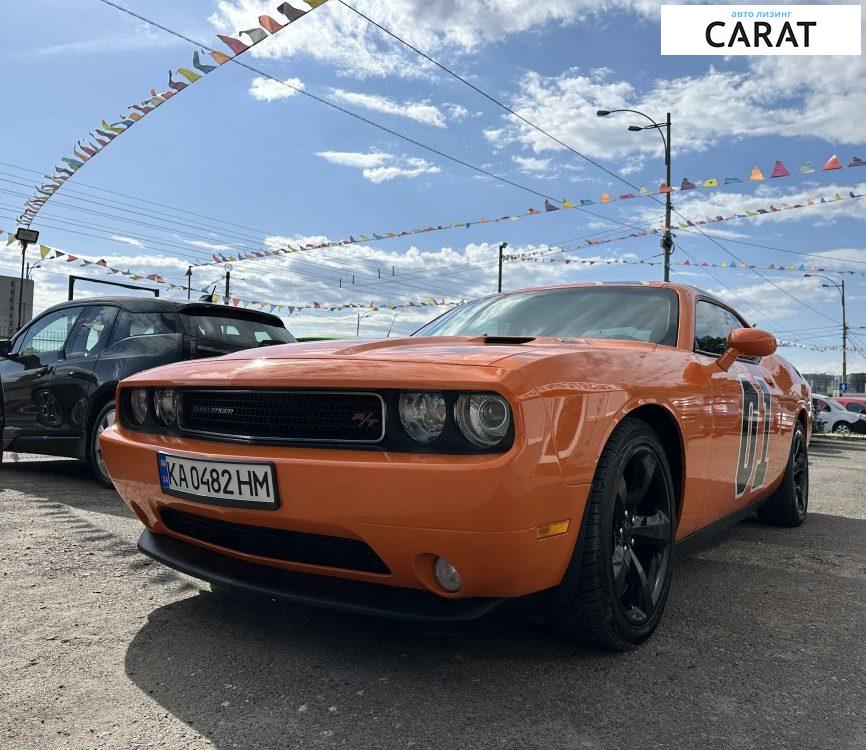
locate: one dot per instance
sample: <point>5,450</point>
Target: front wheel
<point>103,421</point>
<point>624,564</point>
<point>842,428</point>
<point>788,504</point>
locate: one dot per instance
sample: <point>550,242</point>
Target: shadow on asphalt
<point>747,650</point>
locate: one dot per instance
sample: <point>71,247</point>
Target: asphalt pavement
<point>762,646</point>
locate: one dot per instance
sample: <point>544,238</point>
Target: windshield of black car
<point>239,332</point>
<point>647,314</point>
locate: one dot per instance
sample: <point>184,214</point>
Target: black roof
<point>155,304</point>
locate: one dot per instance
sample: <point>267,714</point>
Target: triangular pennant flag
<point>832,163</point>
<point>43,251</point>
<point>605,198</point>
<point>644,190</point>
<point>199,65</point>
<point>568,204</point>
<point>270,25</point>
<point>548,206</point>
<point>235,45</point>
<point>188,74</point>
<point>626,196</point>
<point>665,188</point>
<point>219,57</point>
<point>857,162</point>
<point>780,170</point>
<point>255,35</point>
<point>756,175</point>
<point>732,180</point>
<point>806,168</point>
<point>293,14</point>
<point>712,182</point>
<point>687,185</point>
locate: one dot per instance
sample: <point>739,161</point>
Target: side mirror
<point>747,342</point>
<point>5,347</point>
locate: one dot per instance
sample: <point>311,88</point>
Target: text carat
<point>755,33</point>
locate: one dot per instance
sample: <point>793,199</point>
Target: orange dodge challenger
<point>553,447</point>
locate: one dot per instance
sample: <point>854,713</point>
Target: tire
<point>787,506</point>
<point>104,419</point>
<point>623,566</point>
<point>842,428</point>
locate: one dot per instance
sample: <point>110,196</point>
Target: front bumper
<point>479,512</point>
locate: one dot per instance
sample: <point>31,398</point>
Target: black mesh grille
<point>284,415</point>
<point>292,546</point>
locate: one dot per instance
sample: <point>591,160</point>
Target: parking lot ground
<point>762,646</point>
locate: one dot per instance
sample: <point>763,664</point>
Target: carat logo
<point>761,30</point>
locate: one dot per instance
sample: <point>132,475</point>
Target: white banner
<point>761,29</point>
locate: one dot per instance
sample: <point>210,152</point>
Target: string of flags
<point>779,170</point>
<point>96,140</point>
<point>52,253</point>
<point>770,209</point>
<point>819,347</point>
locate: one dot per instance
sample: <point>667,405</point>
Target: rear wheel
<point>104,420</point>
<point>625,562</point>
<point>842,428</point>
<point>788,504</point>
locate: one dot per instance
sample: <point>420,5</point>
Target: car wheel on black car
<point>615,591</point>
<point>104,420</point>
<point>788,504</point>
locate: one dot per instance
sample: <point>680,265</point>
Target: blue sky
<point>266,167</point>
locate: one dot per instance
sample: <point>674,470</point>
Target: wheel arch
<point>663,422</point>
<point>103,395</point>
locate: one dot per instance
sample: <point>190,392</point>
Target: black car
<point>60,372</point>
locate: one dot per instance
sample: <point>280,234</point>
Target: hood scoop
<point>508,340</point>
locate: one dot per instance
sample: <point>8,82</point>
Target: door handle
<point>77,374</point>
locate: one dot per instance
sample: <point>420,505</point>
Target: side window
<point>46,337</point>
<point>859,408</point>
<point>822,405</point>
<point>91,332</point>
<point>131,324</point>
<point>712,326</point>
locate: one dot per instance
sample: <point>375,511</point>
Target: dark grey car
<point>59,373</point>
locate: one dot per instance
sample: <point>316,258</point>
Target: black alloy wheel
<point>641,535</point>
<point>788,504</point>
<point>800,460</point>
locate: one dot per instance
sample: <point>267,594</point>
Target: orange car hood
<point>453,350</point>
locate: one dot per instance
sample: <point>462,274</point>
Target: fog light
<point>446,575</point>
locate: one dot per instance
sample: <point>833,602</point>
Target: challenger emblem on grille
<point>365,419</point>
<point>212,410</point>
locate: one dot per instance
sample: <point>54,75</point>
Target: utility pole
<point>667,240</point>
<point>844,337</point>
<point>501,249</point>
<point>188,282</point>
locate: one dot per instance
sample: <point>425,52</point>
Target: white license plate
<point>246,484</point>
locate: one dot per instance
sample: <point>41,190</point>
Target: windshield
<point>242,333</point>
<point>626,313</point>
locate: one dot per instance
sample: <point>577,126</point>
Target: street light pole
<point>667,239</point>
<point>228,283</point>
<point>501,248</point>
<point>839,286</point>
<point>25,237</point>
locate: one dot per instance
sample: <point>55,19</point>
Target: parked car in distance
<point>831,416</point>
<point>60,372</point>
<point>855,403</point>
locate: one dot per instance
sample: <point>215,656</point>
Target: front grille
<point>276,544</point>
<point>284,415</point>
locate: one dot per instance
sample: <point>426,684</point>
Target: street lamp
<point>667,239</point>
<point>839,286</point>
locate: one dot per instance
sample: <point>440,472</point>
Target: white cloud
<point>268,90</point>
<point>127,240</point>
<point>208,245</point>
<point>418,111</point>
<point>380,167</point>
<point>531,164</point>
<point>335,35</point>
<point>773,97</point>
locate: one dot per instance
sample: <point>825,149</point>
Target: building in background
<point>9,323</point>
<point>857,382</point>
<point>822,383</point>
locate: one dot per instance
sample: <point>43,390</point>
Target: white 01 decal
<point>756,420</point>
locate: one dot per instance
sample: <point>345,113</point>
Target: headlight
<point>139,401</point>
<point>483,418</point>
<point>423,415</point>
<point>166,406</point>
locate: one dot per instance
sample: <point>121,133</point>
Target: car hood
<point>481,351</point>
